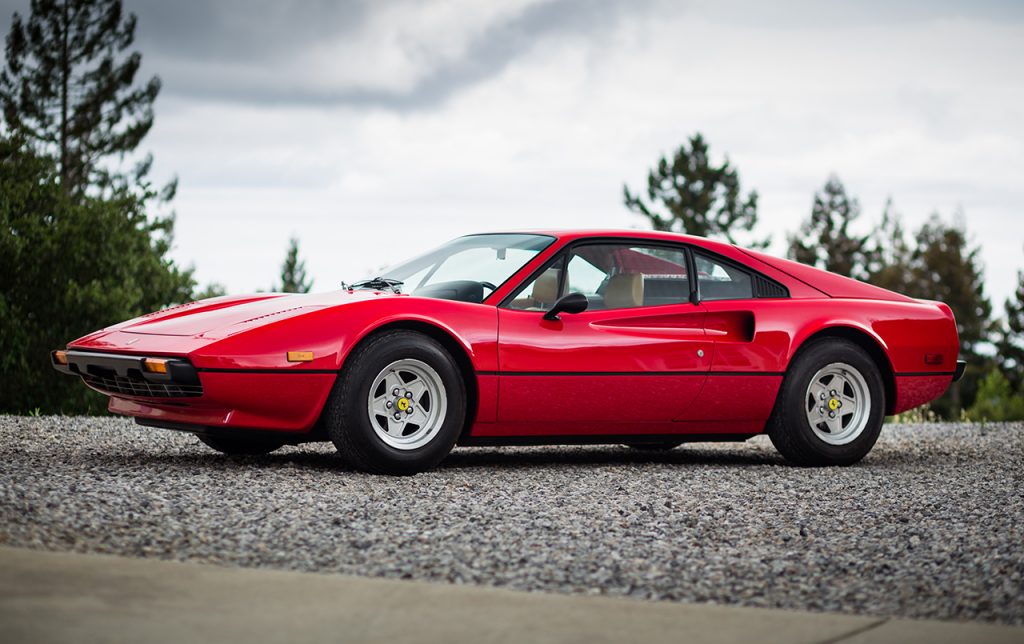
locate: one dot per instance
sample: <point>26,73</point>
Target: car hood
<point>223,316</point>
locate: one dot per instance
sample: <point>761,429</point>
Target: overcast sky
<point>375,130</point>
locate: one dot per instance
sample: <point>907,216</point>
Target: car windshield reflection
<point>466,269</point>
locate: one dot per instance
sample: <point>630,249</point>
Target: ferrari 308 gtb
<point>643,338</point>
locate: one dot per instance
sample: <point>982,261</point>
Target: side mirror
<point>571,303</point>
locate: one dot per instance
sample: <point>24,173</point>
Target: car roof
<point>597,233</point>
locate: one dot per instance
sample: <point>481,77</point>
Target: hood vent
<point>270,315</point>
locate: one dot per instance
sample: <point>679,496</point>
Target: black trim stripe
<point>925,373</point>
<point>630,373</point>
<point>267,371</point>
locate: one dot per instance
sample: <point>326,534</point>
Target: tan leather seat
<point>624,291</point>
<point>545,289</point>
<point>543,294</point>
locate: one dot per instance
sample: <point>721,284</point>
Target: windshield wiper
<point>378,283</point>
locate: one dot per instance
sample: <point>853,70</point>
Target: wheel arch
<point>454,348</point>
<point>870,344</point>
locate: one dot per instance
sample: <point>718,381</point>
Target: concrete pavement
<point>66,597</point>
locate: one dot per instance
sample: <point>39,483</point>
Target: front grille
<point>116,384</point>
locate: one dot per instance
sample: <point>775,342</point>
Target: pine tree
<point>825,239</point>
<point>1011,338</point>
<point>946,267</point>
<point>889,255</point>
<point>69,87</point>
<point>69,266</point>
<point>689,194</point>
<point>293,271</point>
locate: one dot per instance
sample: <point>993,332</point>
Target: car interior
<point>618,277</point>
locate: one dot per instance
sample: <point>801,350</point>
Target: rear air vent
<point>764,287</point>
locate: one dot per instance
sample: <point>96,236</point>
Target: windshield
<point>466,269</point>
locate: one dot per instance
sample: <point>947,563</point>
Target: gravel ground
<point>929,525</point>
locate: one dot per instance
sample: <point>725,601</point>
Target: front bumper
<point>961,366</point>
<point>120,374</point>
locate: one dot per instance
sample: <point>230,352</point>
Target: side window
<point>584,277</point>
<point>612,276</point>
<point>721,281</point>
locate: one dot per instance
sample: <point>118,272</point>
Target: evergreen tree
<point>889,255</point>
<point>689,194</point>
<point>1011,338</point>
<point>825,239</point>
<point>945,267</point>
<point>293,271</point>
<point>69,266</point>
<point>996,400</point>
<point>69,87</point>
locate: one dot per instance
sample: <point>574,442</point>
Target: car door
<point>639,353</point>
<point>744,378</point>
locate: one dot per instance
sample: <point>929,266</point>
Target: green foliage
<point>945,266</point>
<point>825,240</point>
<point>69,266</point>
<point>889,254</point>
<point>69,86</point>
<point>293,271</point>
<point>996,400</point>
<point>213,289</point>
<point>1010,338</point>
<point>915,416</point>
<point>688,194</point>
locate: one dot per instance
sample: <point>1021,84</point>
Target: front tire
<point>398,406</point>
<point>831,405</point>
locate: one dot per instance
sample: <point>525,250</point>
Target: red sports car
<point>644,338</point>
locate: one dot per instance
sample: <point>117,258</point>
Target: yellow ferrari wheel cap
<point>403,404</point>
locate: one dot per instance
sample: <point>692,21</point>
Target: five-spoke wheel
<point>838,403</point>
<point>407,404</point>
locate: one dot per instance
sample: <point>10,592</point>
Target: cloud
<point>399,55</point>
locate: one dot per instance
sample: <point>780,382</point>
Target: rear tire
<point>238,446</point>
<point>831,405</point>
<point>398,406</point>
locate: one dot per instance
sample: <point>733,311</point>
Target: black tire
<point>657,446</point>
<point>789,428</point>
<point>349,425</point>
<point>241,445</point>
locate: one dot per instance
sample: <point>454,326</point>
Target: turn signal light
<point>61,357</point>
<point>155,365</point>
<point>300,356</point>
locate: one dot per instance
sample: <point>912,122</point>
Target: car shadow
<point>604,455</point>
<point>323,458</point>
<point>461,458</point>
